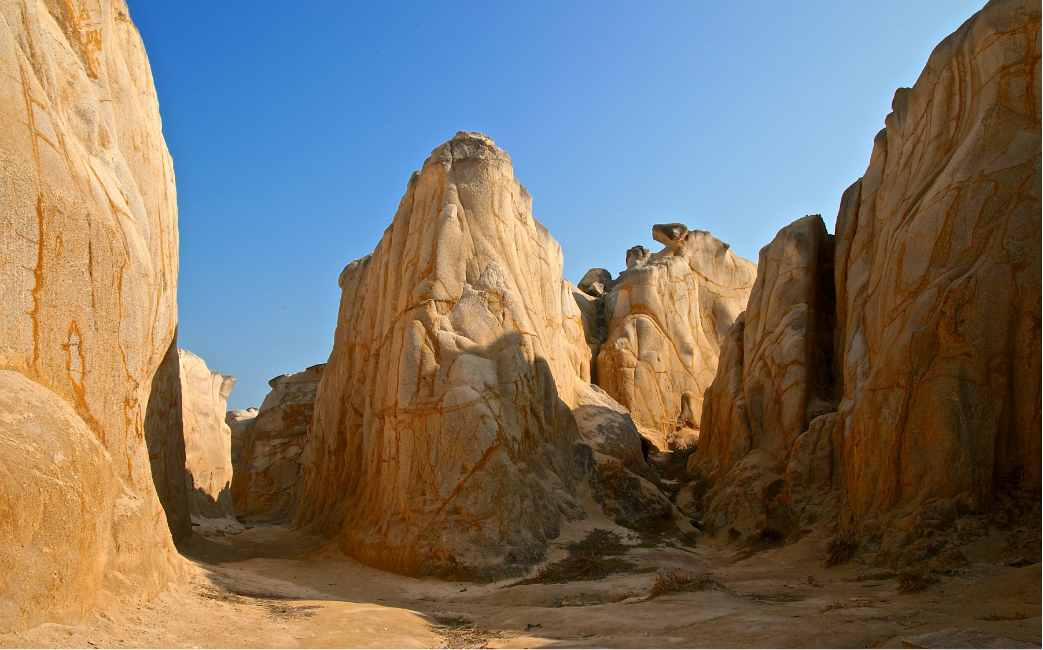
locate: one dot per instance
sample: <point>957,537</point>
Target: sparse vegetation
<point>578,567</point>
<point>674,582</point>
<point>948,562</point>
<point>886,574</point>
<point>854,602</point>
<point>913,579</point>
<point>599,543</point>
<point>840,550</point>
<point>1016,616</point>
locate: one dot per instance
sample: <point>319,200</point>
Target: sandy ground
<point>270,586</point>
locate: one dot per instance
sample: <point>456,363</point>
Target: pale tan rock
<point>208,442</point>
<point>88,234</point>
<point>443,440</point>
<point>938,288</point>
<point>775,376</point>
<point>270,447</point>
<point>666,316</point>
<point>935,340</point>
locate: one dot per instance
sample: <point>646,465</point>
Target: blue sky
<point>295,126</point>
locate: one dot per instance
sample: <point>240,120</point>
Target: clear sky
<point>295,126</point>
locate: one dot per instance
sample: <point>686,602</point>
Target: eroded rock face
<point>665,318</point>
<point>88,230</point>
<point>936,334</point>
<point>938,288</point>
<point>208,441</point>
<point>775,377</point>
<point>270,447</point>
<point>443,440</point>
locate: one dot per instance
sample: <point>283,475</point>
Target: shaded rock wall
<point>88,230</point>
<point>936,368</point>
<point>443,440</point>
<point>270,447</point>
<point>207,439</point>
<point>664,320</point>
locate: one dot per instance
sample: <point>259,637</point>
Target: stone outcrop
<point>775,378</point>
<point>270,447</point>
<point>88,230</point>
<point>165,439</point>
<point>663,321</point>
<point>208,442</point>
<point>936,335</point>
<point>443,440</point>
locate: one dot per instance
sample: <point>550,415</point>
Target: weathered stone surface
<point>936,336</point>
<point>775,377</point>
<point>208,442</point>
<point>88,230</point>
<point>637,256</point>
<point>595,282</point>
<point>270,447</point>
<point>443,440</point>
<point>938,288</point>
<point>665,318</point>
<point>165,439</point>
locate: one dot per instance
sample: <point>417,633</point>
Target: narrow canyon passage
<point>271,586</point>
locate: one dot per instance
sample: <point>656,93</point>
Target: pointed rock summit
<point>442,440</point>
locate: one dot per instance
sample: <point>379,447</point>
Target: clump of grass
<point>1016,616</point>
<point>916,578</point>
<point>855,602</point>
<point>886,574</point>
<point>840,550</point>
<point>577,567</point>
<point>948,562</point>
<point>599,543</point>
<point>674,582</point>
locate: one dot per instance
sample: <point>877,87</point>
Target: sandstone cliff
<point>936,374</point>
<point>88,230</point>
<point>664,319</point>
<point>443,440</point>
<point>270,447</point>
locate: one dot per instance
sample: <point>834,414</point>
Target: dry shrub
<point>855,602</point>
<point>840,550</point>
<point>948,562</point>
<point>674,582</point>
<point>916,578</point>
<point>577,567</point>
<point>886,574</point>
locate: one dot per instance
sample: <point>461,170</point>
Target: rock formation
<point>270,447</point>
<point>443,440</point>
<point>936,370</point>
<point>208,442</point>
<point>663,321</point>
<point>88,230</point>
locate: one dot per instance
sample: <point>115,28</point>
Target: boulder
<point>664,320</point>
<point>88,230</point>
<point>208,443</point>
<point>929,408</point>
<point>443,440</point>
<point>270,447</point>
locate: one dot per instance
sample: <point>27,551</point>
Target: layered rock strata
<point>663,321</point>
<point>443,440</point>
<point>208,441</point>
<point>270,447</point>
<point>936,336</point>
<point>88,230</point>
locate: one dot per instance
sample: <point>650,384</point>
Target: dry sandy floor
<point>273,587</point>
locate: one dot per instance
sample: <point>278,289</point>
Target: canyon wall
<point>270,447</point>
<point>88,230</point>
<point>935,335</point>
